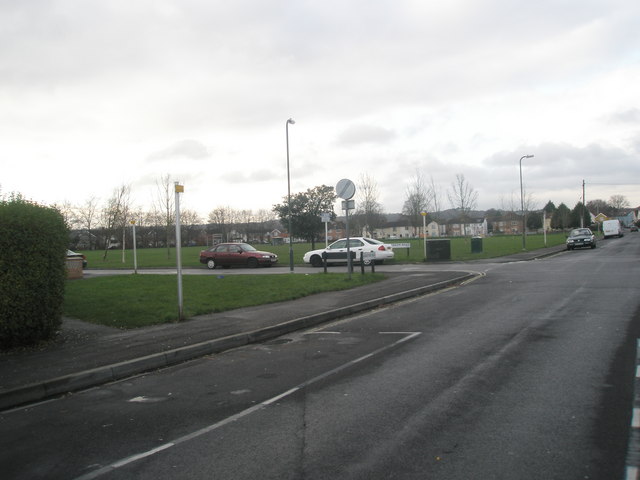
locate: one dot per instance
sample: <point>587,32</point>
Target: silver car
<point>338,251</point>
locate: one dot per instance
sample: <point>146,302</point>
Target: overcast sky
<point>97,94</point>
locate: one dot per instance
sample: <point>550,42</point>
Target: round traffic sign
<point>345,189</point>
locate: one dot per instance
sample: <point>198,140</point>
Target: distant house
<point>83,240</point>
<point>477,227</point>
<point>447,223</point>
<point>276,237</point>
<point>434,229</point>
<point>628,218</point>
<point>455,223</point>
<point>396,226</point>
<point>601,217</point>
<point>509,223</point>
<point>469,227</point>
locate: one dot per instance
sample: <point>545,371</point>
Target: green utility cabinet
<point>438,249</point>
<point>476,245</point>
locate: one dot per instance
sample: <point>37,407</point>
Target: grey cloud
<point>561,166</point>
<point>358,134</point>
<point>191,149</point>
<point>247,176</point>
<point>631,115</point>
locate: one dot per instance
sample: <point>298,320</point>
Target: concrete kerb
<point>118,371</point>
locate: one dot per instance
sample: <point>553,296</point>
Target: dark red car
<point>236,254</point>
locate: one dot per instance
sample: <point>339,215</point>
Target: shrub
<point>33,244</point>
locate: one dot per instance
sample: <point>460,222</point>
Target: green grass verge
<point>495,246</point>
<point>133,301</point>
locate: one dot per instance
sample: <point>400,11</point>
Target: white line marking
<point>125,461</point>
<point>282,395</point>
<point>635,421</point>
<point>142,455</point>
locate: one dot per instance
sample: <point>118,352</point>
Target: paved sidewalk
<point>86,355</point>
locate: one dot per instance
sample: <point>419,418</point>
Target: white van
<point>612,228</point>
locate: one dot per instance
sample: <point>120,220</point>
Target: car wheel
<point>316,261</point>
<point>593,245</point>
<point>367,261</point>
<point>252,263</point>
<point>211,264</point>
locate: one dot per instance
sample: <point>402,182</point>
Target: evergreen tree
<point>306,208</point>
<point>561,217</point>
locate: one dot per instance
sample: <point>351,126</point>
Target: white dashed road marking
<point>133,458</point>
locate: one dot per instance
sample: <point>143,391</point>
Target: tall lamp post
<point>524,216</point>
<point>289,121</point>
<point>424,232</point>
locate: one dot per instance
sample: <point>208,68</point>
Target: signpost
<point>179,189</point>
<point>135,254</point>
<point>346,189</point>
<point>326,218</point>
<point>405,245</point>
<point>424,233</point>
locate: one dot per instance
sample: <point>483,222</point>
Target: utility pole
<point>584,206</point>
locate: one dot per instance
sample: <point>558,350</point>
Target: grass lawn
<point>132,301</point>
<point>495,246</point>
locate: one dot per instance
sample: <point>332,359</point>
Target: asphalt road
<point>525,373</point>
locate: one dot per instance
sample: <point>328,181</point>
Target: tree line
<point>108,224</point>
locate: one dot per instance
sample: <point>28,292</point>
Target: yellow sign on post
<point>179,189</point>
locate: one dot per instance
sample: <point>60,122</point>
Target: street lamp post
<point>424,232</point>
<point>289,121</point>
<point>524,216</point>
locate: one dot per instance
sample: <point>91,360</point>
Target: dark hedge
<point>33,246</point>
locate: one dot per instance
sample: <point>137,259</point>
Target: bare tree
<point>115,214</point>
<point>68,213</point>
<point>245,218</point>
<point>435,198</point>
<point>416,200</point>
<point>618,203</point>
<point>599,206</point>
<point>153,221</point>
<point>191,225</point>
<point>263,216</point>
<point>125,219</point>
<point>462,196</point>
<point>368,208</point>
<point>165,201</point>
<point>262,219</point>
<point>509,204</point>
<point>221,218</point>
<point>86,217</point>
<point>513,204</point>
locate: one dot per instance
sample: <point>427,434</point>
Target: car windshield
<point>580,231</point>
<point>247,248</point>
<point>372,241</point>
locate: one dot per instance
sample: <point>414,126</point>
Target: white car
<point>382,251</point>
